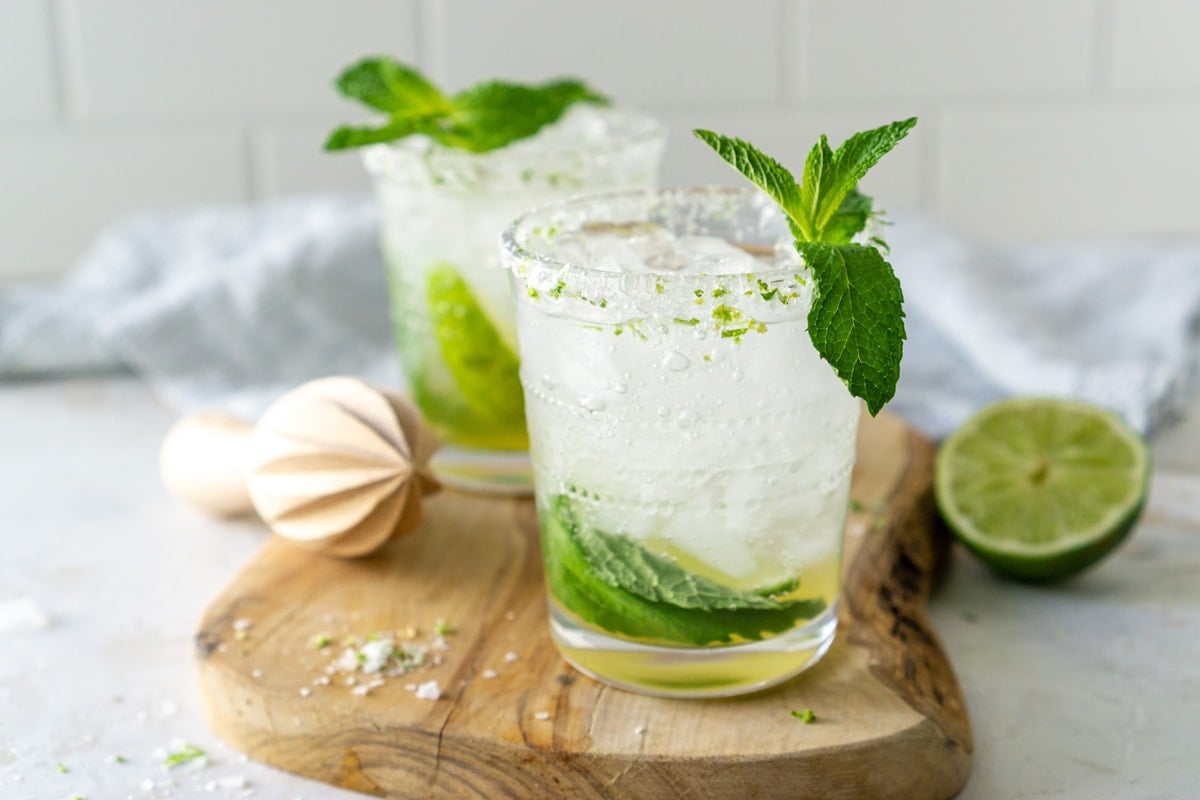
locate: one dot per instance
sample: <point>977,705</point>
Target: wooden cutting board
<point>890,717</point>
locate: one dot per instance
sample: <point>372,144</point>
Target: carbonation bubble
<point>676,361</point>
<point>592,404</point>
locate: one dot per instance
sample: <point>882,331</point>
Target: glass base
<point>695,672</point>
<point>503,472</point>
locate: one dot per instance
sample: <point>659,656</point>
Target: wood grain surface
<point>890,717</point>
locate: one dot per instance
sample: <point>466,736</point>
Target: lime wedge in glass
<point>1041,488</point>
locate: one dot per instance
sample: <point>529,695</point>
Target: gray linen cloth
<point>229,307</point>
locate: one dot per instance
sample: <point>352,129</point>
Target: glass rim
<point>515,253</point>
<point>633,129</point>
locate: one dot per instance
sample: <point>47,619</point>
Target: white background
<point>1039,118</point>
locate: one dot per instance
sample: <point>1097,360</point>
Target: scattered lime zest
<point>442,628</point>
<point>187,753</point>
<point>806,716</point>
<point>62,768</point>
<point>321,641</point>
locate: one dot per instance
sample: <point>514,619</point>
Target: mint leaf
<point>360,136</point>
<point>841,172</point>
<point>850,220</point>
<point>857,318</point>
<point>623,563</point>
<point>387,85</point>
<point>856,322</point>
<point>484,117</point>
<point>763,171</point>
<point>577,587</point>
<point>490,115</point>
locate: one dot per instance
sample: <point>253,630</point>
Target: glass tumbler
<point>450,301</point>
<point>691,451</point>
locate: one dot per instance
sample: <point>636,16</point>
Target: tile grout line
<point>429,27</point>
<point>1103,49</point>
<point>67,47</point>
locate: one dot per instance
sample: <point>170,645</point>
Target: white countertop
<point>1091,689</point>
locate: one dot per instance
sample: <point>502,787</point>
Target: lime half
<point>1041,488</point>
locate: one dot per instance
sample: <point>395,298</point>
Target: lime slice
<point>1041,488</point>
<point>489,410</point>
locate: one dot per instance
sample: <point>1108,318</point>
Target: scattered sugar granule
<point>510,616</point>
<point>375,654</point>
<point>510,657</point>
<point>542,715</point>
<point>429,690</point>
<point>360,691</point>
<point>170,708</point>
<point>305,691</point>
<point>241,627</point>
<point>410,687</point>
<point>148,785</point>
<point>348,661</point>
<point>490,673</point>
<point>640,730</point>
<point>439,643</point>
<point>351,680</point>
<point>22,614</point>
<point>322,680</point>
<point>256,673</point>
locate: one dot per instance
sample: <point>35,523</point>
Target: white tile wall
<point>1156,44</point>
<point>58,188</point>
<point>170,59</point>
<point>947,48</point>
<point>1094,169</point>
<point>288,159</point>
<point>702,53</point>
<point>1038,117</point>
<point>27,84</point>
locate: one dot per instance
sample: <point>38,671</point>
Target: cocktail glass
<point>691,452</point>
<point>451,304</point>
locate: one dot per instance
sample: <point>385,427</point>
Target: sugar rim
<point>518,255</point>
<point>630,130</point>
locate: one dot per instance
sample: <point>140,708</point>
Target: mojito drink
<point>441,212</point>
<point>692,452</point>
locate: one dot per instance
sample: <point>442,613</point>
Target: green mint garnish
<point>856,322</point>
<point>483,117</point>
<point>189,752</point>
<point>615,584</point>
<point>806,716</point>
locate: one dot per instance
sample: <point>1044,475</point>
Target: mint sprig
<point>856,321</point>
<point>483,117</point>
<point>648,600</point>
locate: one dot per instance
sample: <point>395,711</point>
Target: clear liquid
<point>734,467</point>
